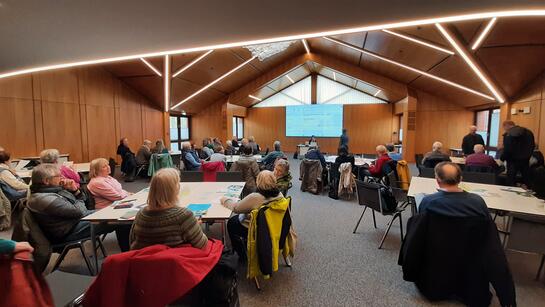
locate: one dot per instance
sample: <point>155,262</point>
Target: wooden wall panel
<point>79,111</point>
<point>61,128</point>
<point>367,126</point>
<point>440,120</point>
<point>209,123</point>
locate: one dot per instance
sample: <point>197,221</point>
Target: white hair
<point>437,146</point>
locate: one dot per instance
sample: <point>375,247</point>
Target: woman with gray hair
<point>237,226</point>
<point>283,176</point>
<point>51,156</point>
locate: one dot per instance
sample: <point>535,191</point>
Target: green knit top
<point>6,246</point>
<point>172,227</point>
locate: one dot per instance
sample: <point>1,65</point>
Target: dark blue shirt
<point>455,204</point>
<point>315,154</point>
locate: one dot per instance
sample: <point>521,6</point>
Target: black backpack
<point>389,203</point>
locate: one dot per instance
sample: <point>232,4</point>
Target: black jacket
<point>456,258</point>
<point>264,242</point>
<point>469,141</point>
<point>518,144</point>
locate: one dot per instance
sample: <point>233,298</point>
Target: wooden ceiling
<point>513,54</point>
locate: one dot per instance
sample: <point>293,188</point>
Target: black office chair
<point>418,161</point>
<point>487,178</point>
<point>368,194</point>
<point>111,161</point>
<point>427,172</point>
<point>191,176</point>
<point>478,169</point>
<point>229,177</point>
<point>431,163</point>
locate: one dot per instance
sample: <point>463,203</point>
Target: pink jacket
<point>106,190</point>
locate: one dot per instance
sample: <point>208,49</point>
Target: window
<point>333,92</point>
<point>179,131</point>
<point>296,94</point>
<point>488,126</point>
<point>238,127</point>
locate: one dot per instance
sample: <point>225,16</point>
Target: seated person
<point>449,199</point>
<point>282,174</point>
<point>206,150</point>
<point>12,247</point>
<point>315,154</point>
<point>247,164</point>
<point>435,156</point>
<point>104,188</point>
<point>59,210</point>
<point>382,158</point>
<point>268,160</point>
<point>218,155</point>
<point>128,161</point>
<point>343,156</point>
<point>480,158</point>
<point>312,140</point>
<point>229,149</point>
<point>9,176</point>
<point>51,156</point>
<point>392,152</point>
<point>162,221</point>
<point>237,226</point>
<point>234,141</point>
<point>190,158</point>
<point>144,153</point>
<point>253,145</point>
<point>159,147</point>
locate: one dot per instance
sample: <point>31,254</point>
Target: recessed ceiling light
<point>465,55</point>
<point>195,61</point>
<point>419,41</point>
<point>484,33</point>
<point>254,97</point>
<point>213,82</point>
<point>151,67</point>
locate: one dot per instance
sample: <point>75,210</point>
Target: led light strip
<point>289,78</point>
<point>334,76</point>
<point>464,54</point>
<point>474,16</point>
<point>195,61</point>
<point>213,82</point>
<point>305,45</point>
<point>484,33</point>
<point>151,67</point>
<point>378,92</point>
<point>166,81</point>
<point>467,89</point>
<point>256,98</point>
<point>419,41</point>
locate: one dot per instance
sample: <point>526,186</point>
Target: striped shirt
<point>172,227</point>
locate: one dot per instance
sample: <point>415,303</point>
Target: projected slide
<point>321,120</point>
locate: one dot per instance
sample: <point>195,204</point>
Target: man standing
<point>343,139</point>
<point>518,146</point>
<point>470,140</point>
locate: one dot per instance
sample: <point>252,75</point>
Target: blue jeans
<point>82,230</point>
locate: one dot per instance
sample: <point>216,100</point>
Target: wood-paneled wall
<point>82,111</point>
<point>210,122</point>
<point>440,120</point>
<point>367,126</point>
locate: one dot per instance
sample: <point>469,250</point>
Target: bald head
<point>381,149</point>
<point>478,148</point>
<point>472,129</point>
<point>448,174</point>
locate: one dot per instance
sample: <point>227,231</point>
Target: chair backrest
<point>111,161</point>
<point>191,176</point>
<point>392,180</point>
<point>418,159</point>
<point>389,166</point>
<point>477,177</point>
<point>369,195</point>
<point>229,177</point>
<point>431,162</point>
<point>478,169</point>
<point>427,172</point>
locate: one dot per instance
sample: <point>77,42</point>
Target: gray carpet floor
<point>333,266</point>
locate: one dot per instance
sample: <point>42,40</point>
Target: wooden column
<point>313,88</point>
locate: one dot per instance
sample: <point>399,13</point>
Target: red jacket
<point>20,285</point>
<point>376,169</point>
<point>153,276</point>
<point>210,169</point>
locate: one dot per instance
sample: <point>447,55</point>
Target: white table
<point>235,158</point>
<point>78,167</point>
<point>357,161</point>
<point>190,193</point>
<point>462,160</point>
<point>496,197</point>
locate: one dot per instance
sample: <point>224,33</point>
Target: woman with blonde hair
<point>162,221</point>
<point>104,188</point>
<point>237,226</point>
<point>160,147</point>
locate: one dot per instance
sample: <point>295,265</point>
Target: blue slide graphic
<point>321,120</point>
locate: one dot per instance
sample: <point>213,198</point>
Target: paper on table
<point>22,164</point>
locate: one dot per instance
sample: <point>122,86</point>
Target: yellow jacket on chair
<point>274,216</point>
<point>404,174</point>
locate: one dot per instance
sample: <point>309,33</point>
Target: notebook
<point>199,209</point>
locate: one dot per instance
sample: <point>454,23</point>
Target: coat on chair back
<point>456,258</point>
<point>311,176</point>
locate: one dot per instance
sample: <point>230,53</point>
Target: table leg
<point>223,231</point>
<point>507,230</point>
<point>94,246</point>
